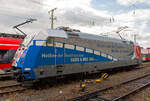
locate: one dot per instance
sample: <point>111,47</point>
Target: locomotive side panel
<point>79,65</point>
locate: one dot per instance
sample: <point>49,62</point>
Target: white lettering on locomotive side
<point>91,59</point>
<point>85,59</point>
<point>47,55</point>
<point>74,59</point>
<point>81,59</point>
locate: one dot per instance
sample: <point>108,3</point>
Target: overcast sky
<point>92,16</point>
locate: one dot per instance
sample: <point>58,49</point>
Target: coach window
<point>6,56</point>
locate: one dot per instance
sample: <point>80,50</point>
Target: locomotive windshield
<point>27,40</point>
<point>6,56</point>
<point>43,35</point>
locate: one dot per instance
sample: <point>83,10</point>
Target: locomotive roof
<point>97,37</point>
<point>66,34</point>
<point>17,36</point>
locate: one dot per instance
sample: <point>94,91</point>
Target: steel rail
<point>14,86</point>
<point>131,92</point>
<point>95,94</point>
<point>12,91</point>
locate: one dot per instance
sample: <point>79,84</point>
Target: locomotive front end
<point>22,68</point>
<point>29,57</point>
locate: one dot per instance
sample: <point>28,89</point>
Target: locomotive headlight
<point>27,69</point>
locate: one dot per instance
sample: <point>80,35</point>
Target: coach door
<point>59,57</point>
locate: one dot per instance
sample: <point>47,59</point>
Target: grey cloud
<point>144,37</point>
<point>83,18</point>
<point>17,11</point>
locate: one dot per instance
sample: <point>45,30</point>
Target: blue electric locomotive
<point>55,52</point>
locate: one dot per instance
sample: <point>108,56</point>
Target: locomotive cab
<point>36,50</point>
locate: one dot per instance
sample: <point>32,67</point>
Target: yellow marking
<point>105,76</point>
<point>83,85</point>
<point>102,75</point>
<point>147,99</point>
<point>98,80</point>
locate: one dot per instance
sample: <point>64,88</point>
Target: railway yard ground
<point>62,91</point>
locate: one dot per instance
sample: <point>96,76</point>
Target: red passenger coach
<point>145,54</point>
<point>9,43</point>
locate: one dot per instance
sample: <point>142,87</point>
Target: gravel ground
<point>123,89</point>
<point>143,95</point>
<point>60,92</point>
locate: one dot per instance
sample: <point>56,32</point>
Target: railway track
<point>5,76</point>
<point>9,74</point>
<point>116,92</point>
<point>145,64</point>
<point>11,88</point>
